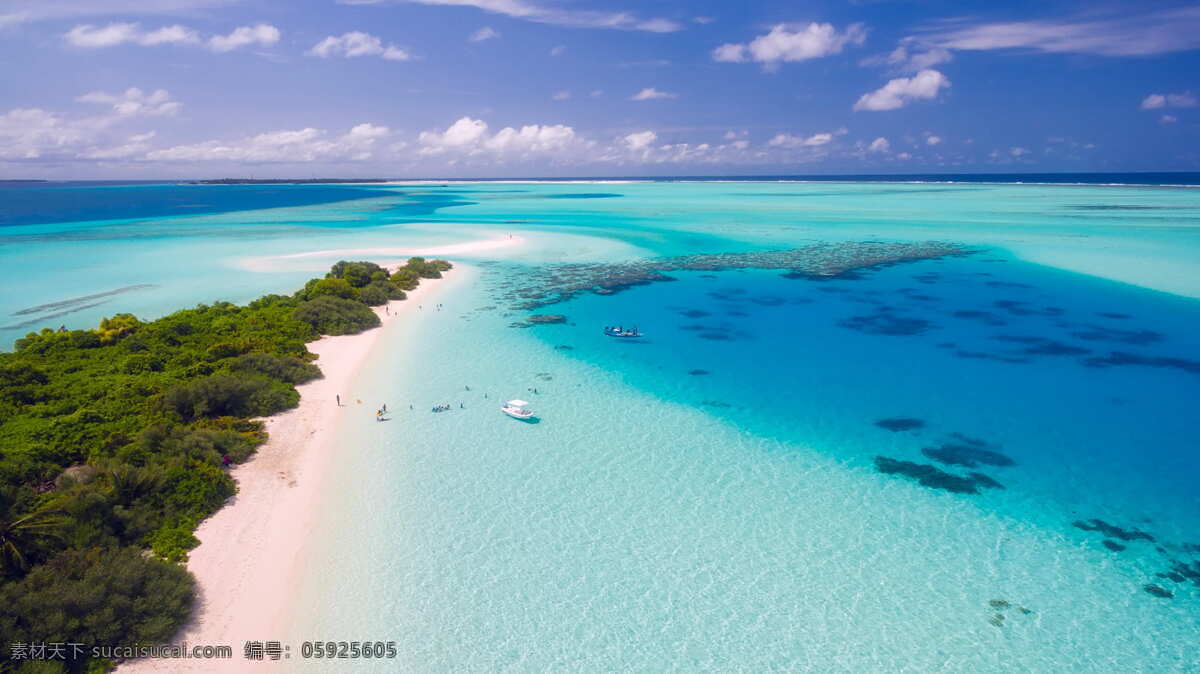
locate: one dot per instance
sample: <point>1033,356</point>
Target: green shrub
<point>336,316</point>
<point>357,274</point>
<point>334,287</point>
<point>97,597</point>
<point>284,368</point>
<point>227,395</point>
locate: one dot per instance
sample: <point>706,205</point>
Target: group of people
<point>444,408</point>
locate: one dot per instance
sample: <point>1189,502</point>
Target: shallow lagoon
<point>710,496</point>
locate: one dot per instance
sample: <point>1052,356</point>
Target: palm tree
<point>19,533</point>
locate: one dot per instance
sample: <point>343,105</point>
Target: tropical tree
<point>20,533</point>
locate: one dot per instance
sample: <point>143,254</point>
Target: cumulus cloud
<point>1168,119</point>
<point>902,90</point>
<point>787,140</point>
<point>640,140</point>
<point>88,36</point>
<point>1135,34</point>
<point>932,139</point>
<point>302,145</point>
<point>790,43</point>
<point>34,133</point>
<point>561,95</point>
<point>1018,151</point>
<point>469,137</point>
<point>134,102</point>
<point>558,50</point>
<point>485,33</point>
<point>262,34</point>
<point>95,37</point>
<point>879,146</point>
<point>650,94</point>
<point>357,43</point>
<point>528,11</point>
<point>1156,101</point>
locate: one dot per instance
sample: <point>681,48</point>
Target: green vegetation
<point>114,445</point>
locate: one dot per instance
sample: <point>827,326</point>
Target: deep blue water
<point>1088,386</point>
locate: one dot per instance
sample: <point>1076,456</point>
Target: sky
<point>148,89</point>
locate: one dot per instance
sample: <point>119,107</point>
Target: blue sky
<point>494,88</point>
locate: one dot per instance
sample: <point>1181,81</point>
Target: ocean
<point>972,463</point>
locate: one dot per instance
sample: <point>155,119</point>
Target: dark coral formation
<point>540,286</point>
<point>1020,308</point>
<point>926,475</point>
<point>698,372</point>
<point>1112,531</point>
<point>886,323</point>
<point>1001,605</point>
<point>1157,591</point>
<point>546,319</point>
<point>1097,333</point>
<point>985,317</point>
<point>1181,571</point>
<point>985,481</point>
<point>1119,358</point>
<point>900,424</point>
<point>1113,545</point>
<point>967,454</point>
<point>1041,346</point>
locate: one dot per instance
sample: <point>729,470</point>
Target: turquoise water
<point>708,497</point>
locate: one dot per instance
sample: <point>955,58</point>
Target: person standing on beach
<point>339,399</point>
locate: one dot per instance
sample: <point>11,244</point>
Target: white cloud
<point>522,9</point>
<point>703,20</point>
<point>88,36</point>
<point>640,140</point>
<point>135,146</point>
<point>30,133</point>
<point>1018,151</point>
<point>563,95</point>
<point>1138,34</point>
<point>261,34</point>
<point>469,137</point>
<point>932,139</point>
<point>879,146</point>
<point>787,140</point>
<point>303,145</point>
<point>911,57</point>
<point>134,102</point>
<point>900,91</point>
<point>485,33</point>
<point>558,50</point>
<point>596,93</point>
<point>789,43</point>
<point>357,43</point>
<point>14,18</point>
<point>34,133</point>
<point>1168,119</point>
<point>650,94</point>
<point>1156,101</point>
<point>92,37</point>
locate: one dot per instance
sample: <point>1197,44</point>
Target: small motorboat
<point>517,409</point>
<point>622,332</point>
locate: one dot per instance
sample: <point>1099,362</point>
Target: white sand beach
<point>252,550</point>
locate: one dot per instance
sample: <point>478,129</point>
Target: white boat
<point>517,410</point>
